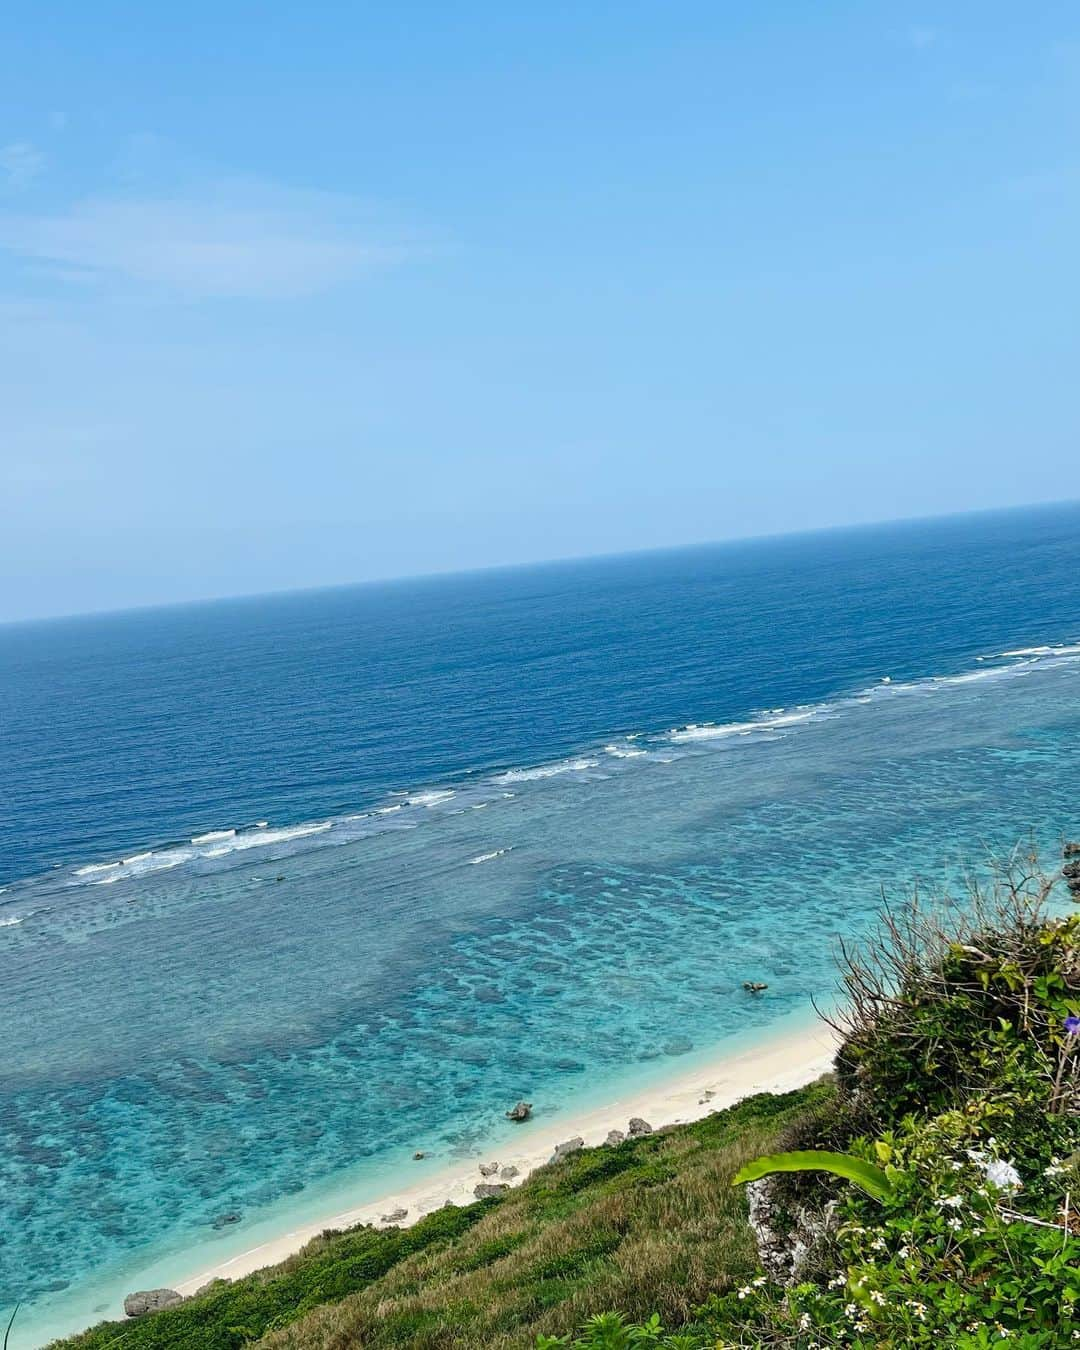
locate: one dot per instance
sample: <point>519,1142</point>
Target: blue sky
<point>302,294</point>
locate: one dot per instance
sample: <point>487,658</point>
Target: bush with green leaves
<point>947,1003</point>
<point>974,1245</point>
<point>610,1331</point>
<point>962,1047</point>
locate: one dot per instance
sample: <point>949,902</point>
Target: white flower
<point>758,1281</point>
<point>903,1252</point>
<point>951,1201</point>
<point>838,1282</point>
<point>877,1297</point>
<point>954,1223</point>
<point>744,1291</point>
<point>851,1310</point>
<point>1002,1174</point>
<point>804,1322</point>
<point>1055,1170</point>
<point>919,1309</point>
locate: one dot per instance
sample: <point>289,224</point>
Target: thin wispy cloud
<point>230,240</point>
<point>20,163</point>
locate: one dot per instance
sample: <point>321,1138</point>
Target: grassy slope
<point>650,1226</point>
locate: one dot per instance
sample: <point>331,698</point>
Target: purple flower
<point>1072,1024</point>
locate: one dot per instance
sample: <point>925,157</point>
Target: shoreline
<point>777,1063</point>
<point>790,1052</point>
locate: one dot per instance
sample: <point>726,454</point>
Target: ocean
<point>293,886</point>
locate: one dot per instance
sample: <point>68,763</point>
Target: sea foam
<point>637,748</point>
<point>547,770</point>
<point>712,732</point>
<point>224,843</point>
<point>487,857</point>
<point>433,797</point>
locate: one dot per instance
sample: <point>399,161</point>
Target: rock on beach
<point>150,1300</point>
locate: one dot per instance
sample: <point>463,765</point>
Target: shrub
<point>944,1004</point>
<point>962,1044</point>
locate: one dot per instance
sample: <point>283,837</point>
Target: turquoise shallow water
<point>257,1022</point>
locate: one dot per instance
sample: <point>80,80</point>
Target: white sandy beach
<point>773,1065</point>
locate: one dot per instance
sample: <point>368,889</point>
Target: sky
<point>301,294</point>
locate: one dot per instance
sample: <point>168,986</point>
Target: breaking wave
<point>487,857</point>
<point>709,731</point>
<point>430,798</point>
<point>547,770</point>
<point>410,808</point>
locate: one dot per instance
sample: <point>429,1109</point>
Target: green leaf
<point>865,1175</point>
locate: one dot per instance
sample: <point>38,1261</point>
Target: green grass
<point>651,1226</point>
<point>331,1267</point>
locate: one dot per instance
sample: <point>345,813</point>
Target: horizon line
<point>562,560</point>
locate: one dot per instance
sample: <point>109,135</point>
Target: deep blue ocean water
<point>397,855</point>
